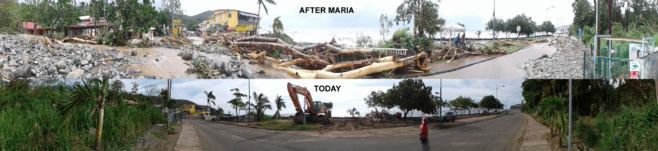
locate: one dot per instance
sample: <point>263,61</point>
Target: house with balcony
<point>230,20</point>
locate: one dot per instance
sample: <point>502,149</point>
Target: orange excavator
<point>316,111</point>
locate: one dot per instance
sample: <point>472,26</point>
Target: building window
<point>229,15</point>
<point>223,18</point>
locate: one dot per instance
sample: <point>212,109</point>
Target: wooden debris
<point>325,60</point>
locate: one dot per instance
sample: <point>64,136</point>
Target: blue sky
<point>351,94</point>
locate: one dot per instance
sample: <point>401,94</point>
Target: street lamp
<point>497,90</point>
<point>440,99</point>
<point>546,28</point>
<point>507,98</point>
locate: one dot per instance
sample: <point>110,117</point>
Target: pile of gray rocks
<point>25,56</point>
<point>565,63</point>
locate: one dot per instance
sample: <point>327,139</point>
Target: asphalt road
<point>497,134</point>
<point>504,67</point>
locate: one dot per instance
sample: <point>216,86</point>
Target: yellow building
<point>190,108</point>
<point>230,20</point>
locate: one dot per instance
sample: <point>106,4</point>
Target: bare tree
<point>151,90</point>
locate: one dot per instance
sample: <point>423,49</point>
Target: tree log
<point>316,61</point>
<point>418,61</point>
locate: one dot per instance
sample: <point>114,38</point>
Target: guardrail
<point>392,51</point>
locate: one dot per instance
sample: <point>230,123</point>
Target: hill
<point>192,22</point>
<point>180,102</point>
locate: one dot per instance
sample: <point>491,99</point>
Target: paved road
<point>504,67</point>
<point>497,134</point>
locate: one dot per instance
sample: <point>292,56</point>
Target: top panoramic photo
<point>329,39</point>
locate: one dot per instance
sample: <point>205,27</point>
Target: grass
<point>160,136</point>
<point>28,115</point>
<point>631,128</point>
<point>282,125</point>
<point>508,49</point>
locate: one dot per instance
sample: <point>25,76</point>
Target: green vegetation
<point>528,26</point>
<point>261,103</point>
<point>29,115</point>
<point>509,49</point>
<point>407,95</point>
<point>305,127</point>
<point>237,101</point>
<point>608,114</point>
<point>637,21</point>
<point>278,101</point>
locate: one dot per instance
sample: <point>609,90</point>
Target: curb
<point>464,123</point>
<point>462,67</point>
<point>229,123</point>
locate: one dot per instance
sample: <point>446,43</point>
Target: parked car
<point>447,116</point>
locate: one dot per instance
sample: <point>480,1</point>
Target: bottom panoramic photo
<point>395,114</point>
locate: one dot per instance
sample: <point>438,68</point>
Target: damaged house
<point>87,26</point>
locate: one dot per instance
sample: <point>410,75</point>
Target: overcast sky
<point>352,92</point>
<point>365,20</point>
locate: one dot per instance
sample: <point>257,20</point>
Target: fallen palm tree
<point>325,60</point>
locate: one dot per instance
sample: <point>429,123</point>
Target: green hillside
<point>192,22</point>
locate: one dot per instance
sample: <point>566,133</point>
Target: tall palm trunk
<point>99,131</point>
<point>101,111</point>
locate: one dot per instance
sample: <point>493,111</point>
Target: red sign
<point>635,75</point>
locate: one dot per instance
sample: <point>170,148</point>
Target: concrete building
<point>230,20</point>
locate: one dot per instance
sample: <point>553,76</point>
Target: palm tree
<point>554,108</point>
<point>211,98</point>
<point>279,104</point>
<point>237,101</point>
<point>353,112</point>
<point>220,112</point>
<point>90,95</point>
<point>262,103</point>
<point>277,26</point>
<point>478,33</point>
<point>260,2</point>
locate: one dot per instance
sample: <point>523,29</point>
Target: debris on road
<point>175,42</point>
<point>565,63</point>
<point>321,60</point>
<point>27,56</point>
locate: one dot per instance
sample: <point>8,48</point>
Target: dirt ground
<point>157,138</point>
<point>357,129</point>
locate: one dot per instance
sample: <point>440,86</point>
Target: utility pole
<point>570,124</point>
<point>493,22</point>
<point>248,101</point>
<point>596,30</point>
<point>440,99</point>
<point>546,28</point>
<point>610,20</point>
<point>168,98</point>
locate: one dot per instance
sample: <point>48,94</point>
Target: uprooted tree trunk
<point>321,60</point>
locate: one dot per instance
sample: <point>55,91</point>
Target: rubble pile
<point>565,63</point>
<point>175,42</point>
<point>25,56</point>
<point>324,60</point>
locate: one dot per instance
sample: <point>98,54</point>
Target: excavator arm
<point>293,90</point>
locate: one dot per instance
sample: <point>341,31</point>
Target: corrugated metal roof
<point>247,14</point>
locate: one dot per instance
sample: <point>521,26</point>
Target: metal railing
<point>611,68</point>
<point>391,51</point>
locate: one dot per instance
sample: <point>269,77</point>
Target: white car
<point>447,116</point>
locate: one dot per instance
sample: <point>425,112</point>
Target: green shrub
<point>28,115</point>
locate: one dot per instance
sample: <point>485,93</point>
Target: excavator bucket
<point>299,118</point>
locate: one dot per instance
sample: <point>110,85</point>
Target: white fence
<point>391,51</point>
